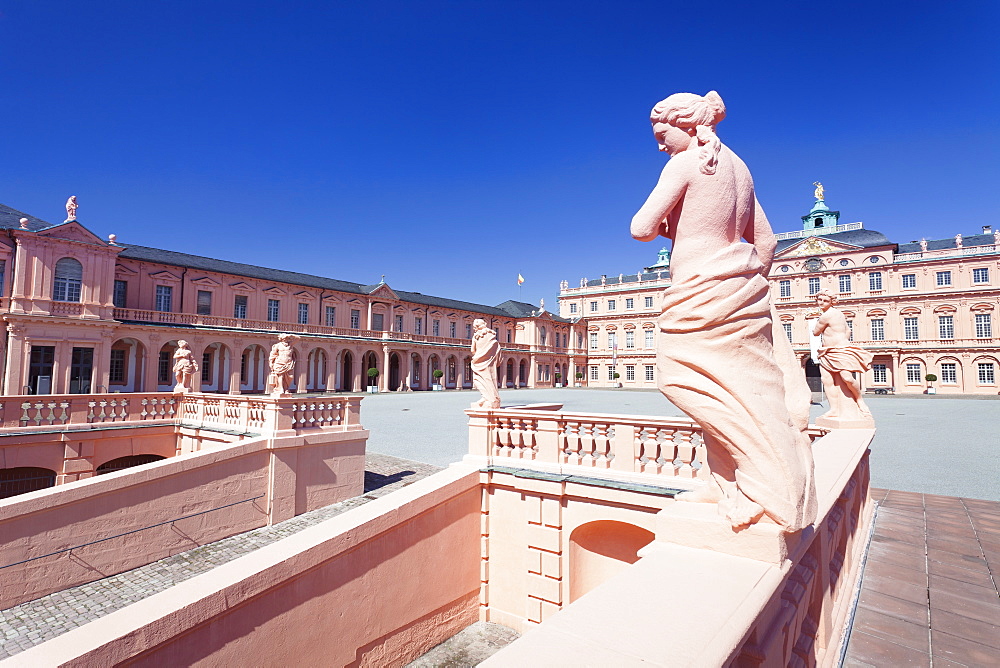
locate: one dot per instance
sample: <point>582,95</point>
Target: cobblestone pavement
<point>469,647</point>
<point>34,622</point>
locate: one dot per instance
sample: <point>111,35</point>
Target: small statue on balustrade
<point>485,360</point>
<point>839,360</point>
<point>282,363</point>
<point>184,367</point>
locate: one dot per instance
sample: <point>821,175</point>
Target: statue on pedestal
<point>282,364</point>
<point>839,360</point>
<point>485,360</point>
<point>71,207</point>
<point>184,367</point>
<point>818,193</point>
<point>715,356</point>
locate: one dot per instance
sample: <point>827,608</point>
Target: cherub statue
<point>71,207</point>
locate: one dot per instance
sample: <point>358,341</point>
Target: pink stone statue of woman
<point>716,356</point>
<point>184,367</point>
<point>485,360</point>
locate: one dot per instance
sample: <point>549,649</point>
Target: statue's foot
<point>740,510</point>
<point>705,494</point>
<point>864,408</point>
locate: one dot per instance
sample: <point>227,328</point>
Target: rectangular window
<point>648,342</point>
<point>593,373</point>
<point>912,373</point>
<point>330,316</point>
<point>579,339</point>
<point>204,302</point>
<point>787,326</point>
<point>399,323</point>
<point>946,326</point>
<point>418,325</point>
<point>120,297</point>
<point>629,372</point>
<point>784,288</point>
<point>436,328</point>
<point>117,374</point>
<point>630,339</point>
<point>572,308</point>
<point>206,368</point>
<point>984,326</point>
<point>378,322</point>
<point>303,314</point>
<point>850,330</point>
<point>986,374</point>
<point>880,374</point>
<point>648,302</point>
<point>3,273</point>
<point>508,336</point>
<point>943,278</point>
<point>468,330</point>
<point>629,303</point>
<point>909,281</point>
<point>164,298</point>
<point>612,340</point>
<point>845,283</point>
<point>355,319</point>
<point>163,374</point>
<point>273,310</point>
<point>949,373</point>
<point>453,332</point>
<point>611,305</point>
<point>593,307</point>
<point>910,331</point>
<point>813,285</point>
<point>649,372</point>
<point>878,329</point>
<point>875,281</point>
<point>240,306</point>
<point>981,275</point>
<point>611,373</point>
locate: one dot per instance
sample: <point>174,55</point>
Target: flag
<point>520,279</point>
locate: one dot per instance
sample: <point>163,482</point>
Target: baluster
<point>685,454</point>
<point>144,413</point>
<point>64,418</point>
<point>24,411</point>
<point>312,415</point>
<point>52,412</point>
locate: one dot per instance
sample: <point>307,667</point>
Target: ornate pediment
<point>815,246</point>
<point>73,231</point>
<point>383,291</point>
<point>206,282</point>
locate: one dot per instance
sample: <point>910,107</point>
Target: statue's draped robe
<point>485,359</point>
<point>716,362</point>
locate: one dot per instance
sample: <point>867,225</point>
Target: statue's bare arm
<point>649,222</point>
<point>759,233</point>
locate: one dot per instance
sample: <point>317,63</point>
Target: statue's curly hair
<point>698,116</point>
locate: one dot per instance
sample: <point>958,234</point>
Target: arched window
<point>69,278</point>
<point>24,479</point>
<point>126,462</point>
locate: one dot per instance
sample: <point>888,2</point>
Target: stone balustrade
<point>251,414</point>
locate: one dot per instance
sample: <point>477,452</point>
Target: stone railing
<point>249,414</point>
<point>624,444</point>
<point>970,251</point>
<point>800,234</point>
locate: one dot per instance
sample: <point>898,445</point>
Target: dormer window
<point>68,280</point>
<point>818,222</point>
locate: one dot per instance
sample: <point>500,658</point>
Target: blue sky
<point>451,145</point>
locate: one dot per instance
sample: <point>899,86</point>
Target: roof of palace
<point>10,218</point>
<point>525,310</point>
<point>861,238</point>
<point>147,254</point>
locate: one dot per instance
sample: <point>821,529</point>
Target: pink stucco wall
<point>289,476</point>
<point>377,586</point>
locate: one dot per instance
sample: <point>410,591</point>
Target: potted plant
<point>617,382</point>
<point>372,383</point>
<point>579,379</point>
<point>558,378</point>
<point>930,378</point>
<point>437,387</point>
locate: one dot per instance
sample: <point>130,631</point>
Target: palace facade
<point>922,307</point>
<point>87,315</point>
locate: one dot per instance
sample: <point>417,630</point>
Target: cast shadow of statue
<point>375,481</point>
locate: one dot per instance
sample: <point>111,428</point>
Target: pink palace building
<point>925,307</point>
<point>86,315</point>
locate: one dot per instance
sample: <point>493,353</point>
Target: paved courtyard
<point>929,444</point>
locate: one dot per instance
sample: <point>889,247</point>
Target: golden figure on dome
<point>818,193</point>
